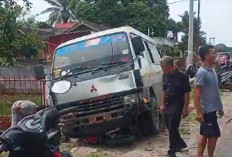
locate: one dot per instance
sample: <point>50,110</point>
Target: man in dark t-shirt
<point>175,100</point>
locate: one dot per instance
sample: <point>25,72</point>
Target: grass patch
<point>6,101</point>
<point>96,154</point>
<point>4,154</point>
<point>191,117</point>
<point>185,131</point>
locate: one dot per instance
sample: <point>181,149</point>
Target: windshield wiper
<point>106,65</point>
<point>99,68</point>
<point>75,69</point>
<point>114,63</point>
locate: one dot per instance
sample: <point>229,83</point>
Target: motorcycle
<point>225,77</point>
<point>225,74</point>
<point>36,135</point>
<point>191,71</point>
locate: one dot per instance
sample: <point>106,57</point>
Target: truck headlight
<point>131,99</point>
<point>61,87</point>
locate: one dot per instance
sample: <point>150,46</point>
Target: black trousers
<point>173,121</point>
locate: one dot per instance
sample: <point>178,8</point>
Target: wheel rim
<point>161,121</point>
<point>155,114</point>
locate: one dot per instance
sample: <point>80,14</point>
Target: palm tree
<point>59,11</point>
<point>198,35</point>
<point>175,28</point>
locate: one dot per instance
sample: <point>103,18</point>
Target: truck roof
<point>127,29</point>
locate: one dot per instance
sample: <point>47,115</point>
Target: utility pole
<point>190,34</point>
<point>148,31</point>
<point>198,23</point>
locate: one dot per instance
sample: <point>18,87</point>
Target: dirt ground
<point>157,146</point>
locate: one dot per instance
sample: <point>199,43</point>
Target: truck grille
<point>99,107</point>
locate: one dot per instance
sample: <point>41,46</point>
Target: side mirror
<point>138,46</point>
<point>39,72</point>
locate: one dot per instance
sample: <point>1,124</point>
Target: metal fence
<point>13,88</point>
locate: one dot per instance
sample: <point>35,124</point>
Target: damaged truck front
<point>113,78</point>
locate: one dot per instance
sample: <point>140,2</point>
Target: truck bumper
<point>98,125</point>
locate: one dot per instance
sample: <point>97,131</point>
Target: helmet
<point>21,109</point>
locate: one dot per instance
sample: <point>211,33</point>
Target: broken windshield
<point>94,52</point>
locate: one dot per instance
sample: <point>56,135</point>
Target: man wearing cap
<point>207,101</point>
<point>175,100</point>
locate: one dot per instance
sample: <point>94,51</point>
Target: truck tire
<point>150,121</point>
<point>66,154</point>
<point>156,117</point>
<point>124,140</point>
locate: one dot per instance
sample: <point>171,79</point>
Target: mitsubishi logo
<point>93,89</point>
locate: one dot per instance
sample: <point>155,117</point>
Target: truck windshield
<point>94,52</point>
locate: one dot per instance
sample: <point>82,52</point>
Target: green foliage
<point>175,28</point>
<point>198,38</point>
<point>220,47</point>
<point>4,154</point>
<point>229,49</point>
<point>96,155</point>
<point>59,11</point>
<point>29,44</point>
<point>7,101</point>
<point>171,51</point>
<point>183,26</point>
<point>12,39</point>
<point>43,25</point>
<point>140,14</point>
<point>8,31</point>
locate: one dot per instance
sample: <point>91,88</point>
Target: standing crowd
<point>208,104</point>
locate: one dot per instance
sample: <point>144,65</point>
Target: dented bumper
<point>98,124</point>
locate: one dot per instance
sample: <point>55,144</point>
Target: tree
<point>229,49</point>
<point>44,25</point>
<point>8,30</point>
<point>31,22</point>
<point>11,35</point>
<point>29,45</point>
<point>59,11</point>
<point>220,47</point>
<point>175,28</point>
<point>196,36</point>
<point>140,14</point>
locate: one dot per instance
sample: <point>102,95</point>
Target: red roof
<point>64,25</point>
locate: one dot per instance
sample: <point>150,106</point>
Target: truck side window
<point>133,36</point>
<point>149,51</point>
<point>160,53</point>
<point>155,52</point>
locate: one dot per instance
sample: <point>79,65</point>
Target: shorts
<point>210,127</point>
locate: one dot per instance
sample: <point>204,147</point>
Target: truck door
<point>155,73</point>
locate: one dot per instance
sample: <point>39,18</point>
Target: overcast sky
<point>216,16</point>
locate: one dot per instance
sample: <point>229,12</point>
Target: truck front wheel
<point>156,117</point>
<point>151,121</point>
